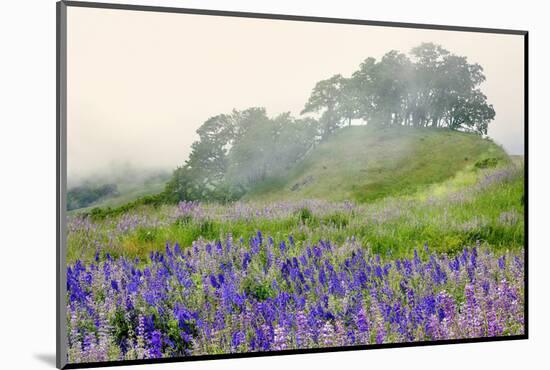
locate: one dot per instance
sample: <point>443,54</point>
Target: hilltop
<point>362,164</point>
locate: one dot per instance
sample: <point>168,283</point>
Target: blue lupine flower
<point>114,285</point>
<point>301,296</point>
<point>214,282</point>
<point>502,262</point>
<point>282,246</point>
<point>246,260</point>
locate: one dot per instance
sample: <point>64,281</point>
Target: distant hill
<point>125,190</point>
<point>363,163</point>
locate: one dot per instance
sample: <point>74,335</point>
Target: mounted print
<point>236,184</point>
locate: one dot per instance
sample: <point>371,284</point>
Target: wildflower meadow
<point>197,279</point>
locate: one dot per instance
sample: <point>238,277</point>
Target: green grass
<point>446,216</point>
<point>365,163</point>
<point>127,194</point>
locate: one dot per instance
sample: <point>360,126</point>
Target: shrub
<point>338,220</point>
<point>304,215</point>
<point>487,163</point>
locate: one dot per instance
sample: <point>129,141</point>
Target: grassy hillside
<point>483,205</point>
<point>367,163</point>
<point>128,192</point>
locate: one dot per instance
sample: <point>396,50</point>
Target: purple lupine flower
<point>114,285</point>
<point>155,348</point>
<point>380,334</point>
<point>472,310</point>
<point>214,282</point>
<point>314,297</point>
<point>282,247</point>
<point>327,337</point>
<point>237,339</point>
<point>502,262</point>
<point>246,260</point>
<point>322,276</point>
<point>280,338</point>
<point>302,330</point>
<point>416,259</point>
<point>362,326</point>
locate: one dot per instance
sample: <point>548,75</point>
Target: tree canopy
<point>429,88</point>
<point>238,150</point>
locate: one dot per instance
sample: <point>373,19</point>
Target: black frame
<point>61,159</point>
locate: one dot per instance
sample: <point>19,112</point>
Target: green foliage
<point>328,97</point>
<point>487,163</point>
<point>236,151</point>
<point>432,88</point>
<point>147,234</point>
<point>304,215</point>
<point>183,221</point>
<point>156,200</point>
<point>174,333</point>
<point>182,186</point>
<point>338,220</point>
<point>206,227</point>
<point>120,326</point>
<point>84,195</point>
<point>129,183</point>
<point>261,290</point>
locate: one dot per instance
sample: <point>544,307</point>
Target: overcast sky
<point>141,83</point>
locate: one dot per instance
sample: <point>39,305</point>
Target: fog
<point>141,83</point>
<point>119,173</point>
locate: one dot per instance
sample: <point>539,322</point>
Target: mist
<point>119,173</point>
<point>140,83</point>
